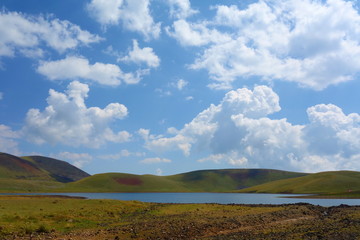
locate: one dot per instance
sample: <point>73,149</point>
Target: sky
<point>169,86</point>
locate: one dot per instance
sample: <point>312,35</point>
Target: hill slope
<point>17,168</point>
<point>198,181</point>
<point>59,170</point>
<point>35,173</point>
<point>319,183</point>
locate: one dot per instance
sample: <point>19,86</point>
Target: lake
<point>221,198</point>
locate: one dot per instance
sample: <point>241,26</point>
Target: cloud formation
<point>180,8</point>
<point>73,67</point>
<point>134,15</point>
<point>239,132</point>
<point>68,121</point>
<point>28,35</point>
<point>155,160</point>
<point>139,56</point>
<point>311,43</point>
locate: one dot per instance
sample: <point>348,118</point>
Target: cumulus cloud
<point>67,120</point>
<point>72,68</point>
<point>311,43</point>
<point>20,33</point>
<point>155,160</point>
<point>8,140</point>
<point>180,8</point>
<point>144,55</point>
<point>79,160</point>
<point>239,132</point>
<point>133,14</point>
<point>195,34</point>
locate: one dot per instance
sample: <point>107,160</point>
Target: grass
<point>24,215</point>
<point>340,183</point>
<point>225,180</point>
<point>49,217</point>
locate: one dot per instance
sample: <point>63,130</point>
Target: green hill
<point>35,173</point>
<point>318,183</point>
<point>42,174</point>
<point>12,167</point>
<point>225,180</point>
<point>59,170</point>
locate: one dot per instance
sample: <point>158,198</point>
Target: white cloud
<point>311,43</point>
<point>195,34</point>
<point>181,84</point>
<point>180,8</point>
<point>122,154</point>
<point>67,120</point>
<point>133,14</point>
<point>239,132</point>
<point>79,160</point>
<point>142,55</point>
<point>27,34</point>
<point>8,143</point>
<point>72,68</point>
<point>155,160</point>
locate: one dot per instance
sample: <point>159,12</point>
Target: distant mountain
<point>225,180</point>
<point>35,173</point>
<point>319,183</point>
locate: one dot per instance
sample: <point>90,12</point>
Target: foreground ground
<point>63,218</point>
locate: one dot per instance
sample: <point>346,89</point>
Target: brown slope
<point>15,167</point>
<point>59,170</point>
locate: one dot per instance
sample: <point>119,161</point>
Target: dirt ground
<point>214,221</point>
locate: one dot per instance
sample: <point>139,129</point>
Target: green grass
<point>340,182</point>
<point>109,182</point>
<point>26,215</point>
<point>22,185</point>
<point>49,217</point>
<point>225,180</point>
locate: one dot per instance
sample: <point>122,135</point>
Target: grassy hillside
<point>225,180</point>
<point>198,181</point>
<point>35,173</point>
<point>59,170</point>
<point>122,182</point>
<point>42,174</point>
<point>319,183</point>
<point>12,167</point>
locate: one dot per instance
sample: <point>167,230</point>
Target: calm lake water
<point>222,198</point>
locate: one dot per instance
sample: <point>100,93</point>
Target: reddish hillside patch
<point>132,181</point>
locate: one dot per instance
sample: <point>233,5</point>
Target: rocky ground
<point>213,221</point>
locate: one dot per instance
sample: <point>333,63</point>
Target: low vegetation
<point>339,184</point>
<point>51,217</point>
<point>42,174</point>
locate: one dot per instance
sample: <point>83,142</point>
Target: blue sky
<point>169,86</point>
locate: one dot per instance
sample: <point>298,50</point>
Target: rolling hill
<point>225,180</point>
<point>59,170</point>
<point>43,174</point>
<point>35,173</point>
<point>335,182</point>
